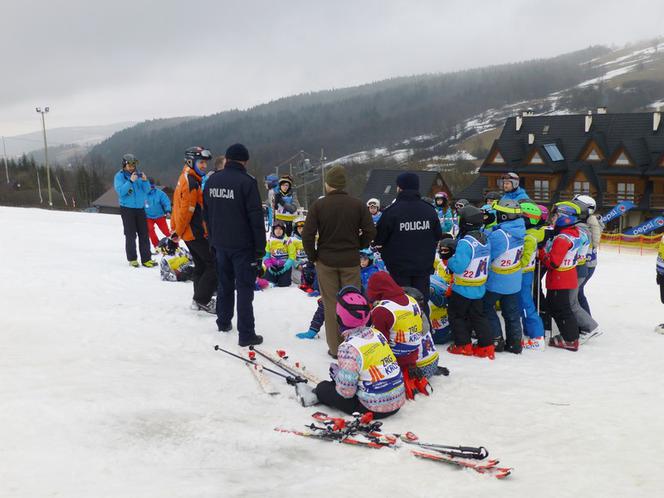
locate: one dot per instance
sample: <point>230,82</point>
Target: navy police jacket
<point>408,231</point>
<point>233,211</point>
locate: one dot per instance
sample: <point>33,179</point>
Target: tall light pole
<point>4,148</point>
<point>48,169</point>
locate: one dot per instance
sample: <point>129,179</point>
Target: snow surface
<point>110,388</point>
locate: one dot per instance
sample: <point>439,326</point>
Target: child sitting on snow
<point>277,262</point>
<point>399,317</point>
<point>367,377</point>
<point>367,267</point>
<point>304,272</point>
<point>176,263</point>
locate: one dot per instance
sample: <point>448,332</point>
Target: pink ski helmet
<point>352,308</point>
<point>545,211</point>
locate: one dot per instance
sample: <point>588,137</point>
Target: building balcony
<point>543,196</point>
<point>657,201</point>
<point>610,199</point>
<point>568,195</point>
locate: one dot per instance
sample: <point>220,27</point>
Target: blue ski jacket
<point>506,242</point>
<point>157,204</point>
<point>130,194</point>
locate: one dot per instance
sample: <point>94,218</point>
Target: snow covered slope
<point>110,387</point>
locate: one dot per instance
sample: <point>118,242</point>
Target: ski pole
<point>290,379</point>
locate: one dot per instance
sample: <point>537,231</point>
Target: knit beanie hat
<point>237,152</point>
<point>408,181</point>
<point>336,177</point>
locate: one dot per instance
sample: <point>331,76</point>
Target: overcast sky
<point>98,62</point>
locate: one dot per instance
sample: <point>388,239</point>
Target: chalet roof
<point>382,184</point>
<point>109,199</point>
<point>609,132</point>
<point>475,191</point>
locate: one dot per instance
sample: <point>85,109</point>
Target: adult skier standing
<point>188,224</point>
<point>132,189</point>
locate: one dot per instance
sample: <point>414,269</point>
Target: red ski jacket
<point>557,279</point>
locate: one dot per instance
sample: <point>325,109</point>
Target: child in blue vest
<point>468,260</point>
<point>505,275</point>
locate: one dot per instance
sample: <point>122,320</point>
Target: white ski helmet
<point>373,202</point>
<point>588,201</point>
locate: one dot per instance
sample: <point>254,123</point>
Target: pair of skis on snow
<point>294,374</point>
<point>365,432</point>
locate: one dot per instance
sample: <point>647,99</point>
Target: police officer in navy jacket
<point>408,233</point>
<point>234,216</point>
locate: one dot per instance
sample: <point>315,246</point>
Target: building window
<point>553,151</point>
<point>592,153</point>
<point>625,192</point>
<point>536,159</point>
<point>541,190</point>
<point>581,188</point>
<point>622,160</point>
<point>498,159</point>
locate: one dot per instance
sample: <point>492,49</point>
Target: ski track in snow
<point>110,388</point>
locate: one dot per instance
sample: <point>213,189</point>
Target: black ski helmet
<point>129,159</point>
<point>415,294</point>
<point>470,218</point>
<point>507,210</point>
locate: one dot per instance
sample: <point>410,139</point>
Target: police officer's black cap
<point>237,152</point>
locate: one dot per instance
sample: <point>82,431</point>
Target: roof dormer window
<point>496,158</point>
<point>536,159</point>
<point>592,153</point>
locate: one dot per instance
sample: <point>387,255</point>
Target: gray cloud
<point>95,62</point>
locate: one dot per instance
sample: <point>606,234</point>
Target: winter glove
<point>489,218</point>
<point>309,334</point>
<point>288,265</point>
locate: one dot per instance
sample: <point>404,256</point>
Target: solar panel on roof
<point>554,153</point>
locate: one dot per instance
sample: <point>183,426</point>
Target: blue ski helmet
<point>566,216</point>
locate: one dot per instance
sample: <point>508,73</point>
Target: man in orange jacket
<point>187,224</point>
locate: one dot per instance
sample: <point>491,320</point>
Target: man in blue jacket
<point>132,189</point>
<point>407,235</point>
<point>504,281</point>
<point>157,207</point>
<point>511,189</point>
<point>234,216</point>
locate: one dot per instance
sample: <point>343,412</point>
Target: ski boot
<point>513,346</point>
<point>660,328</point>
<point>466,349</point>
<point>210,307</point>
<point>558,342</point>
<point>533,343</point>
<point>484,352</point>
<point>133,263</point>
<point>150,263</point>
<point>499,344</point>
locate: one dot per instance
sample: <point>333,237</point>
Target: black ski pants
<point>135,224</point>
<point>205,273</point>
<point>558,303</point>
<point>328,395</point>
<point>466,315</point>
<point>236,274</point>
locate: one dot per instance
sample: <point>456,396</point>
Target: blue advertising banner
<point>646,226</point>
<point>618,211</point>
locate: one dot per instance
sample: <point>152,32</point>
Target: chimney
<point>589,121</point>
<point>656,119</point>
<point>519,121</point>
<point>531,138</point>
<point>602,110</point>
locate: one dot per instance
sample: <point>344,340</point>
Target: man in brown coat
<point>344,226</point>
